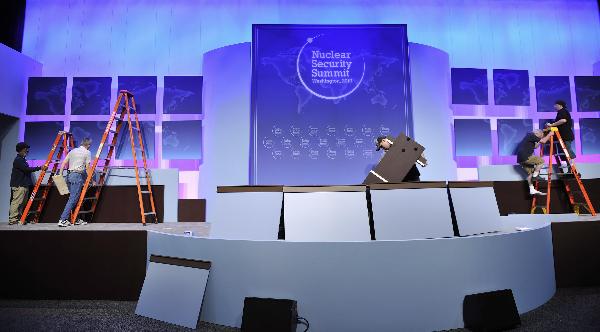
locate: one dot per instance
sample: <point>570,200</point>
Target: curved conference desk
<point>434,243</point>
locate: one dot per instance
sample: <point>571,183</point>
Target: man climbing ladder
<point>571,179</point>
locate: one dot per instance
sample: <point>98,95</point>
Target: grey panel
<point>246,215</point>
<point>476,210</point>
<point>403,214</point>
<point>326,216</point>
<point>172,294</point>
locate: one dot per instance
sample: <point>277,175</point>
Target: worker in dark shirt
<point>20,181</point>
<point>564,123</point>
<point>385,143</point>
<point>532,164</point>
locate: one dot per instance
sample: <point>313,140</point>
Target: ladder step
<point>86,211</point>
<point>149,213</point>
<point>38,199</point>
<point>89,198</point>
<point>145,192</point>
<point>32,211</point>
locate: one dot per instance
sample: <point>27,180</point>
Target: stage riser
<point>576,253</point>
<point>72,265</point>
<point>111,265</point>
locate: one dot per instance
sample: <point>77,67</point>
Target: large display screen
<point>321,94</point>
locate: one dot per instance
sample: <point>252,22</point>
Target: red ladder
<point>128,114</point>
<point>578,197</point>
<point>63,142</point>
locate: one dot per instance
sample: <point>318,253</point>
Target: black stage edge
<point>72,265</point>
<point>576,253</point>
<point>513,196</point>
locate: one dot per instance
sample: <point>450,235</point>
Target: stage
<point>366,281</point>
<point>365,164</point>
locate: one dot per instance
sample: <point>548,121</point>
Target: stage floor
<point>199,229</point>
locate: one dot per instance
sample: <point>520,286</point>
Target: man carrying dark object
<point>20,181</point>
<point>532,164</point>
<point>564,123</point>
<point>385,143</point>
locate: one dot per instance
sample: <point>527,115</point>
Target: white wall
<point>15,68</point>
<point>155,37</point>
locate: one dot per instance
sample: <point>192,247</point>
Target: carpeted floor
<point>571,309</point>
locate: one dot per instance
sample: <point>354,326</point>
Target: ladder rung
<point>32,211</point>
<point>149,213</point>
<point>38,199</point>
<point>86,211</point>
<point>145,192</point>
<point>89,198</point>
<point>112,131</point>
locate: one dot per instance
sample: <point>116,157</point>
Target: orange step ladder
<point>578,197</point>
<point>62,144</point>
<point>127,114</point>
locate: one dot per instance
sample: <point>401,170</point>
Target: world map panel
<point>40,136</point>
<point>89,129</point>
<point>124,143</point>
<point>473,137</point>
<point>590,136</point>
<point>510,133</point>
<point>183,95</point>
<point>144,92</point>
<point>182,139</point>
<point>511,87</point>
<point>469,86</point>
<point>549,89</point>
<point>46,95</point>
<point>587,92</point>
<point>91,95</point>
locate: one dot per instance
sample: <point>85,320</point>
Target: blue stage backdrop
<point>321,94</point>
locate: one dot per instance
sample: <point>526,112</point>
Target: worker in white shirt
<point>79,167</point>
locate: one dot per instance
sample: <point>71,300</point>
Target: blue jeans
<point>75,182</point>
<point>570,149</point>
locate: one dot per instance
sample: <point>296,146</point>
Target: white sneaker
<point>80,222</point>
<point>532,191</point>
<point>64,223</point>
<point>536,174</point>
